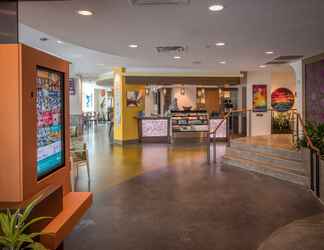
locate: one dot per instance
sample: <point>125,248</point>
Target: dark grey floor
<point>176,202</point>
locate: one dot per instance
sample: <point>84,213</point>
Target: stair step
<point>278,152</point>
<point>267,169</point>
<point>267,158</point>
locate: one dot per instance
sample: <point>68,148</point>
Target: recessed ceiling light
<point>269,52</point>
<point>263,66</point>
<point>60,42</point>
<point>133,46</point>
<point>177,57</point>
<point>216,7</point>
<point>220,44</point>
<point>222,62</point>
<point>85,12</point>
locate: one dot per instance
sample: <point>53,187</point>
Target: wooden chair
<point>80,158</point>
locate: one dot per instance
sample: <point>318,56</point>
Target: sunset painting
<point>259,98</point>
<point>282,100</point>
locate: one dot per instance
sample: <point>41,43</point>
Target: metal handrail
<point>314,175</point>
<point>225,118</point>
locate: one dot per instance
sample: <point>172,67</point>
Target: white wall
<point>75,100</point>
<point>277,78</point>
<point>188,99</point>
<point>298,69</point>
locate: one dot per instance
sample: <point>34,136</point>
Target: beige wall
<point>188,99</point>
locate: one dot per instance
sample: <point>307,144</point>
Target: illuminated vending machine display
<point>50,121</point>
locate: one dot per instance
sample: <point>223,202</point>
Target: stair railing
<point>212,135</point>
<point>315,154</point>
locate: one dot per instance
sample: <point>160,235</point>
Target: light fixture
<point>269,52</point>
<point>182,91</point>
<point>263,66</point>
<point>133,46</point>
<point>85,12</point>
<point>203,91</point>
<point>222,62</point>
<point>60,42</point>
<point>147,91</point>
<point>100,64</point>
<point>164,91</point>
<point>177,57</point>
<point>216,7</point>
<point>220,44</point>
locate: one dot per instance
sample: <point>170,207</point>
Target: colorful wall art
<point>50,122</point>
<point>259,98</point>
<point>314,92</point>
<point>282,100</point>
<point>135,98</point>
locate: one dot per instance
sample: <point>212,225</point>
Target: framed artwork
<point>282,99</point>
<point>259,98</point>
<point>135,98</point>
<point>72,86</point>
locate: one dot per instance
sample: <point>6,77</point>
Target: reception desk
<point>158,129</point>
<point>154,129</point>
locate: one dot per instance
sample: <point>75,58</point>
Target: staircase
<point>271,155</point>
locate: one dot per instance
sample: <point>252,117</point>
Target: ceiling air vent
<point>276,62</point>
<point>170,49</point>
<point>288,58</point>
<point>158,2</point>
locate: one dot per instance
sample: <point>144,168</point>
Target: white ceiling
<point>249,28</point>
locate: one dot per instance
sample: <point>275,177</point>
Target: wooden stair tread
<point>267,165</point>
<point>75,204</point>
<point>266,158</point>
<point>267,154</point>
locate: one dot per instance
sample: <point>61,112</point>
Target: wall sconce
<point>202,91</point>
<point>164,91</point>
<point>182,91</point>
<point>147,91</point>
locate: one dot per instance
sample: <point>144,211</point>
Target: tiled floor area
<point>164,197</point>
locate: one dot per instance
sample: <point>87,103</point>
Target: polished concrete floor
<point>164,197</point>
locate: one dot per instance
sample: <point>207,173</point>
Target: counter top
<point>152,118</point>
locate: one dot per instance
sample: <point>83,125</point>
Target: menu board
<point>50,121</point>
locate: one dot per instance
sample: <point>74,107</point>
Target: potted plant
<point>316,134</point>
<point>14,233</point>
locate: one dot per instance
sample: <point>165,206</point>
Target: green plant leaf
<point>4,241</point>
<point>24,227</point>
<point>5,224</point>
<point>27,211</point>
<point>36,246</point>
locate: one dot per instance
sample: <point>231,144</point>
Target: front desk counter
<point>159,129</point>
<point>154,129</point>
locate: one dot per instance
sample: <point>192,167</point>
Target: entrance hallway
<point>164,197</point>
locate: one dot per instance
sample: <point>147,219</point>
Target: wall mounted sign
<point>259,98</point>
<point>282,99</point>
<point>117,99</point>
<point>135,98</point>
<point>72,86</point>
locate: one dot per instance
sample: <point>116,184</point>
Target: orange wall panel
<point>10,157</point>
<point>18,147</point>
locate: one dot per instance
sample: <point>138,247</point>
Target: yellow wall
<point>131,124</point>
<point>125,124</point>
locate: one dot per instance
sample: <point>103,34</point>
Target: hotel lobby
<point>130,125</point>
